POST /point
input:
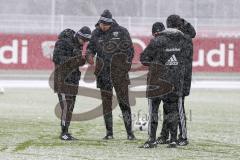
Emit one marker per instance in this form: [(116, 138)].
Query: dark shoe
[(167, 141), (149, 144), (182, 142), (108, 137), (131, 137), (67, 137), (172, 145), (161, 140)]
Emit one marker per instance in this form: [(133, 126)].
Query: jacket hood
[(67, 34), (188, 29), (172, 32)]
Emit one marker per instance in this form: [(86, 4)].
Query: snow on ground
[(29, 129)]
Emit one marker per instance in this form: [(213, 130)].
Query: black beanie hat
[(157, 27), (106, 17), (174, 21), (84, 33)]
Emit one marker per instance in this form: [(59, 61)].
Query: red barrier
[(26, 51), (217, 55), (34, 52)]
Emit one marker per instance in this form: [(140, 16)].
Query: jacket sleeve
[(130, 49), (91, 48), (77, 50), (59, 53), (188, 68), (148, 54), (188, 29)]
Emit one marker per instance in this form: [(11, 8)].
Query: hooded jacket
[(167, 54), (190, 33), (66, 47)]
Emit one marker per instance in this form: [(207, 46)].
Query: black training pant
[(170, 119), (182, 119), (181, 123), (123, 100), (67, 103)]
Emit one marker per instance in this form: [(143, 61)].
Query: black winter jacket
[(114, 51), (168, 53), (66, 48)]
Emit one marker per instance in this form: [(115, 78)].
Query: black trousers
[(181, 123), (67, 103), (170, 119), (123, 100)]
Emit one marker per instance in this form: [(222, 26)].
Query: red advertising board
[(35, 52), (217, 54), (26, 51)]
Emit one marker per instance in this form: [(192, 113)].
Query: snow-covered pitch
[(29, 129)]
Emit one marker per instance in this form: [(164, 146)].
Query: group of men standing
[(168, 55)]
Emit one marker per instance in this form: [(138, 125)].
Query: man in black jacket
[(114, 49), (147, 58), (189, 33), (68, 46), (166, 55)]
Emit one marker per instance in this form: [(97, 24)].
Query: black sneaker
[(149, 144), (182, 142), (108, 137), (67, 137), (167, 141), (161, 140), (172, 145), (131, 137)]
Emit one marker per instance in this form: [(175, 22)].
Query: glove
[(89, 59), (83, 61)]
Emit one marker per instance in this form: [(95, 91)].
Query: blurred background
[(52, 16)]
